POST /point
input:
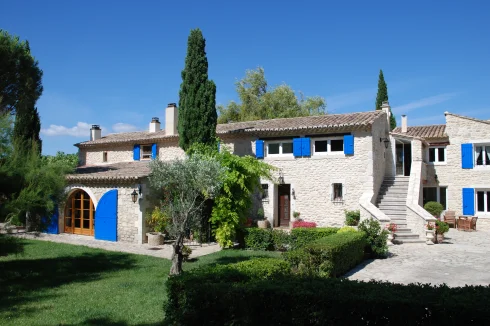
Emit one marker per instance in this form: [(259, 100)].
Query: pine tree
[(197, 96), (27, 127), (382, 96)]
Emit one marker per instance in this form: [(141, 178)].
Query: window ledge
[(437, 163), (279, 158), (328, 156)]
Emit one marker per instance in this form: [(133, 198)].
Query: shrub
[(303, 224), (441, 227), (352, 217), (200, 298), (346, 229), (376, 238), (302, 236), (258, 239), (434, 208), (330, 256), (186, 252), (281, 240), (262, 268)]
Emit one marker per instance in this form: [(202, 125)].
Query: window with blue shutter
[(136, 152), (468, 201), (305, 147), (106, 217), (349, 144), (297, 145), (154, 151), (259, 149), (467, 156)]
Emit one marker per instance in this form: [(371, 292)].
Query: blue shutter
[(305, 147), (154, 151), (106, 217), (467, 156), (136, 152), (297, 144), (468, 201), (349, 145), (219, 146), (259, 149), (50, 224)]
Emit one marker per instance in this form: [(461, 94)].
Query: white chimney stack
[(385, 106), (171, 116), (154, 124), (404, 123), (95, 132)]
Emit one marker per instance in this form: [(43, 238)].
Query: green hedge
[(302, 236), (258, 239), (195, 299), (330, 256)]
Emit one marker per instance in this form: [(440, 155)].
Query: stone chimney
[(95, 132), (171, 116), (154, 124), (385, 106), (404, 123)]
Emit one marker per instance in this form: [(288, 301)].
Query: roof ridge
[(468, 118)]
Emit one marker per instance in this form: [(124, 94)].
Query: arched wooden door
[(79, 214)]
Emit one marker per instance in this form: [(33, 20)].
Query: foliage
[(258, 239), (376, 238), (441, 227), (70, 160), (352, 218), (281, 240), (27, 127), (234, 200), (434, 208), (331, 256), (302, 236), (260, 213), (382, 96), (185, 185), (430, 226), (346, 229), (210, 298), (261, 268), (296, 214), (197, 96), (391, 227), (303, 224), (186, 252), (20, 82), (10, 245), (259, 102), (158, 220)]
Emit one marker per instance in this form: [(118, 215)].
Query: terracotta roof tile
[(124, 171), (426, 132)]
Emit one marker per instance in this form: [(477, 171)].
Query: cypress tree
[(26, 128), (382, 96), (197, 96)]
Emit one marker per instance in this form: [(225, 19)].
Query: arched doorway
[(79, 214)]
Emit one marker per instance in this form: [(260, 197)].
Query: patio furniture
[(464, 223), (473, 222), (450, 218)]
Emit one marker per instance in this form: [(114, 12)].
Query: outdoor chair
[(473, 222), (450, 218), (464, 223)]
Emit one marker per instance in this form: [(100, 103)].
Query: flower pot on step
[(155, 238), (264, 224)]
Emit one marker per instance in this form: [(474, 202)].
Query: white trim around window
[(279, 148), (328, 146), (437, 155), (482, 155), (482, 201), (441, 195)]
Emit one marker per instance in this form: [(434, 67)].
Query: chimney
[(171, 116), (404, 123), (95, 132), (154, 124), (385, 106)]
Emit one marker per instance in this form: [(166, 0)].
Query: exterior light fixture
[(134, 196), (386, 141), (436, 178), (281, 177), (293, 193)]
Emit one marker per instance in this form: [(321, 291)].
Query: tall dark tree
[(27, 127), (197, 96), (382, 96)]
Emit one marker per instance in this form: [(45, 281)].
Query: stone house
[(326, 165)]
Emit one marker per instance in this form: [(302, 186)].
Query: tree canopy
[(258, 101), (382, 96), (197, 96)]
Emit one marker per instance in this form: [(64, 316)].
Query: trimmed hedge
[(203, 298), (302, 236), (258, 239), (330, 256)]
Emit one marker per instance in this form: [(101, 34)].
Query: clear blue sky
[(118, 63)]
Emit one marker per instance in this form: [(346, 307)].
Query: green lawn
[(59, 284)]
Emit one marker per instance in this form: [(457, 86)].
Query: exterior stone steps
[(405, 241)]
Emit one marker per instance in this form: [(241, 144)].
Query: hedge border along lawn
[(205, 298), (302, 236), (330, 256)]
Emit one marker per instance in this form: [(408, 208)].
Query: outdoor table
[(464, 223)]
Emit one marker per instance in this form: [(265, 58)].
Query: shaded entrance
[(284, 202), (403, 158), (79, 214)]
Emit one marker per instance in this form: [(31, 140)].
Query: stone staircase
[(392, 200)]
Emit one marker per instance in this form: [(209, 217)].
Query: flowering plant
[(303, 224), (392, 227), (430, 226)]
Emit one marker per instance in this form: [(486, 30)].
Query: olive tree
[(184, 186)]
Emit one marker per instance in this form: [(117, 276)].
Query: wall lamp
[(385, 140), (293, 193), (281, 177), (136, 194)]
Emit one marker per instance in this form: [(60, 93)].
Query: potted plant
[(429, 233), (441, 228), (296, 215), (262, 223), (434, 208), (392, 227), (158, 221)]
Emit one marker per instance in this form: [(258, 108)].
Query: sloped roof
[(123, 171), (468, 118), (326, 122), (426, 132)]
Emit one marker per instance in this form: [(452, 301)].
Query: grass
[(46, 283)]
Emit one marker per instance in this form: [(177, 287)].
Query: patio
[(463, 258)]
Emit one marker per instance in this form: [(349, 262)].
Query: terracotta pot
[(155, 238)]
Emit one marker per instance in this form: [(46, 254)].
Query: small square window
[(337, 145), (104, 157), (265, 192), (337, 192), (146, 152), (273, 148), (437, 154), (287, 148), (432, 154), (321, 146)]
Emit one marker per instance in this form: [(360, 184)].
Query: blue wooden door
[(106, 217), (51, 223)]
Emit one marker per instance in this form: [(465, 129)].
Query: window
[(280, 148), (146, 152), (483, 201), (437, 154), (482, 154), (437, 194), (330, 145), (337, 192), (104, 157), (265, 192)]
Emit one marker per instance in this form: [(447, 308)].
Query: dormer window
[(145, 152)]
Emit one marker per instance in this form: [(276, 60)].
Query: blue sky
[(118, 63)]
